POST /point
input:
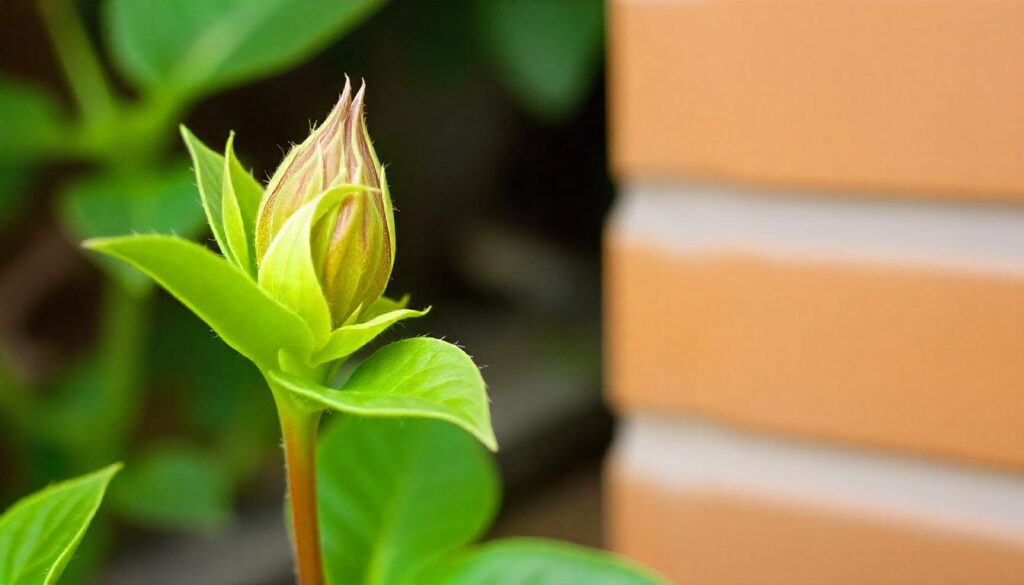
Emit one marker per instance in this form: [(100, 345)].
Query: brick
[(912, 97), (705, 505), (896, 327)]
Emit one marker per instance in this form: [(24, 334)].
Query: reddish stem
[(299, 430)]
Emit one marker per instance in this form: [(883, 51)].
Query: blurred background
[(491, 119), (785, 348)]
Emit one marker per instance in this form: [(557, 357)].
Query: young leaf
[(345, 341), (229, 301), (196, 46), (287, 271), (523, 561), (394, 496), (39, 534), (209, 169), (242, 195), (416, 378)]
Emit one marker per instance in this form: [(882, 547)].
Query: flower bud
[(349, 249), (352, 244)]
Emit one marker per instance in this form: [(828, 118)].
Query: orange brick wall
[(919, 97), (870, 301), (920, 360)]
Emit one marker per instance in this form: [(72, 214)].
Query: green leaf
[(418, 378), (31, 122), (287, 271), (196, 46), (549, 53), (174, 486), (123, 204), (226, 298), (394, 496), (39, 534), (346, 340), (242, 194), (209, 169), (523, 561)]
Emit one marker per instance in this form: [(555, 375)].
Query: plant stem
[(299, 429), (78, 59)]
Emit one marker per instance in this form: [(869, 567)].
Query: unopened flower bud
[(352, 244), (350, 252)]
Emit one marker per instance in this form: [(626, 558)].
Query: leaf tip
[(487, 438), (95, 244), (111, 470)]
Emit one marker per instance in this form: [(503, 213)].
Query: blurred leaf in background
[(31, 123), (14, 187), (176, 486), (190, 47), (108, 204), (218, 394), (548, 53)]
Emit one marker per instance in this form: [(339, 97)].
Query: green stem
[(299, 430), (78, 59)]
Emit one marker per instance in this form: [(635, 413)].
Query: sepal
[(344, 341)]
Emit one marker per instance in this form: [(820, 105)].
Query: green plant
[(130, 178), (39, 534), (297, 291), (401, 502)]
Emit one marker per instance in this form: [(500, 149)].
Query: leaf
[(418, 378), (197, 46), (287, 271), (395, 496), (209, 169), (227, 299), (242, 195), (39, 534), (549, 53), (123, 204), (31, 123), (174, 486), (346, 340), (522, 561)]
